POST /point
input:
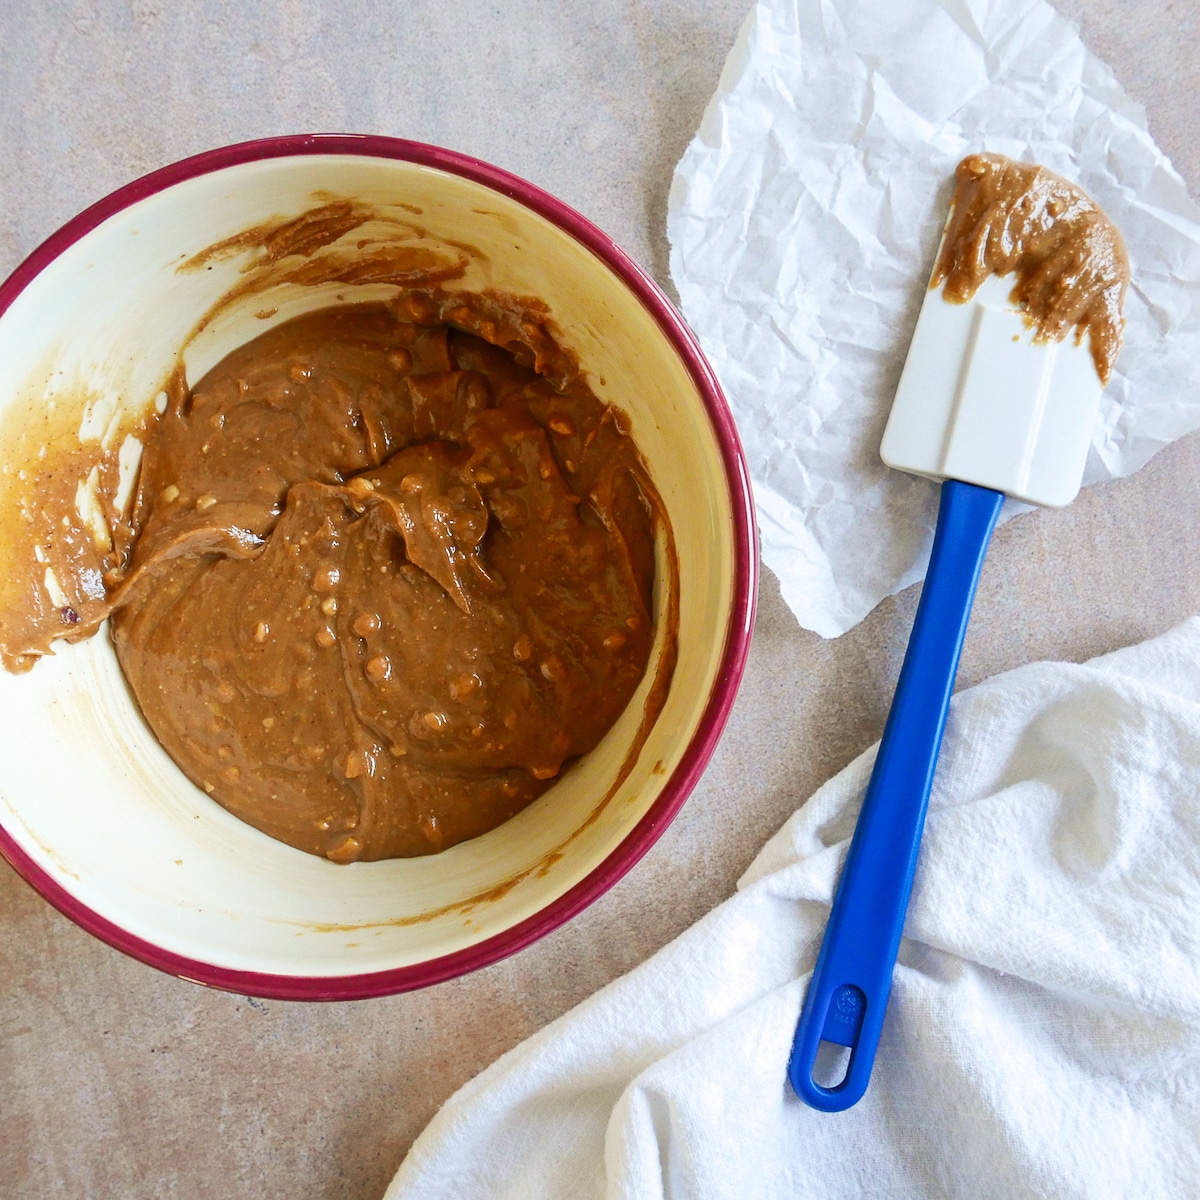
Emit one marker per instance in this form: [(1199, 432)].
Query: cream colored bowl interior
[(85, 789)]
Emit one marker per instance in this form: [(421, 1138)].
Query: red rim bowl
[(737, 636)]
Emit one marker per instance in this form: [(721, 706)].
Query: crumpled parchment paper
[(803, 222)]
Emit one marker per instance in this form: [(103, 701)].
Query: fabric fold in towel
[(1043, 1036)]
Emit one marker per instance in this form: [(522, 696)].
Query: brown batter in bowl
[(387, 568), (389, 580)]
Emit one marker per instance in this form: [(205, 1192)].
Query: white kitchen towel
[(803, 221), (1043, 1035)]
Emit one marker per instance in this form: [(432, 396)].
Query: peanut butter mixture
[(384, 577), (1069, 260)]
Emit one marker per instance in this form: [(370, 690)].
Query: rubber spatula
[(990, 412)]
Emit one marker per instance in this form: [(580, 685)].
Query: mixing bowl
[(98, 818)]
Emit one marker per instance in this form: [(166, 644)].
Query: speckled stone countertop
[(117, 1081)]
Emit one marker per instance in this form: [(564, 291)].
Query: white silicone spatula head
[(1005, 370), (983, 402)]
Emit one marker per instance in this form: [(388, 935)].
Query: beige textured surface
[(116, 1081)]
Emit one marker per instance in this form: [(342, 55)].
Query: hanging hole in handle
[(831, 1064)]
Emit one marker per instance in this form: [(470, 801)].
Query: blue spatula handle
[(849, 990)]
